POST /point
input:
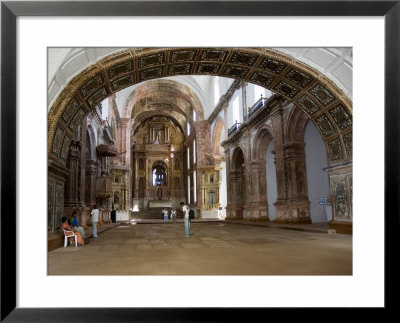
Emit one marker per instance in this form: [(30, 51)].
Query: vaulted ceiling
[(316, 94)]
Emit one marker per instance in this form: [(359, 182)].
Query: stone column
[(83, 162), (122, 148), (203, 147), (91, 178), (73, 163), (295, 168), (229, 187), (244, 101), (226, 120), (277, 126), (248, 197), (341, 180), (259, 204), (296, 207)]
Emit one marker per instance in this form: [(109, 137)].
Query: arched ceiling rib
[(319, 97), (65, 63)]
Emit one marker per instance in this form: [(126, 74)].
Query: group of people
[(72, 226), (165, 215), (186, 218)]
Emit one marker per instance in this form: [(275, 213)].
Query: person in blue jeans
[(95, 218), (185, 210)]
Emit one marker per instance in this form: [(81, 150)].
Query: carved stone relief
[(335, 149), (322, 94)]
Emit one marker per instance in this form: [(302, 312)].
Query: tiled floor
[(212, 249)]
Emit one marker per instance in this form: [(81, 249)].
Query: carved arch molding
[(313, 92)]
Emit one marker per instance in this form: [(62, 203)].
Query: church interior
[(256, 141)]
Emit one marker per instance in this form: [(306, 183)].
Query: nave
[(214, 248)]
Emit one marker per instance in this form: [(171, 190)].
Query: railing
[(233, 128), (256, 106)]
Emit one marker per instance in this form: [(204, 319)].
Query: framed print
[(137, 41)]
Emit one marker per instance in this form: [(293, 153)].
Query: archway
[(323, 101), (159, 176), (305, 87)]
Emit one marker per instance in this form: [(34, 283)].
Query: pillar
[(341, 180), (258, 204), (295, 207)]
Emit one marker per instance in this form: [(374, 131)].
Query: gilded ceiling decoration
[(322, 95), (286, 89), (308, 104), (262, 79), (57, 141), (348, 143), (325, 125), (298, 77), (65, 148), (341, 117), (70, 110), (335, 149), (309, 89)]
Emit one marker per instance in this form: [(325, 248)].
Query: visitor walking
[(173, 215), (185, 210), (95, 218)]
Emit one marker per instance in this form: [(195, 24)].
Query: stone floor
[(214, 248)]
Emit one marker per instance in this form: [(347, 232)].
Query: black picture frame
[(10, 10)]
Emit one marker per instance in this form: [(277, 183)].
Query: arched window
[(159, 176)]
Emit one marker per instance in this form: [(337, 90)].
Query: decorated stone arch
[(318, 97)]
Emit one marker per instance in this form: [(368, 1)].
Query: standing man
[(113, 215), (185, 210), (95, 218)]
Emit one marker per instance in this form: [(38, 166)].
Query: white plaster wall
[(317, 178), (272, 190)]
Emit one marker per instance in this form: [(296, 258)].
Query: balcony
[(256, 106), (233, 128)]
